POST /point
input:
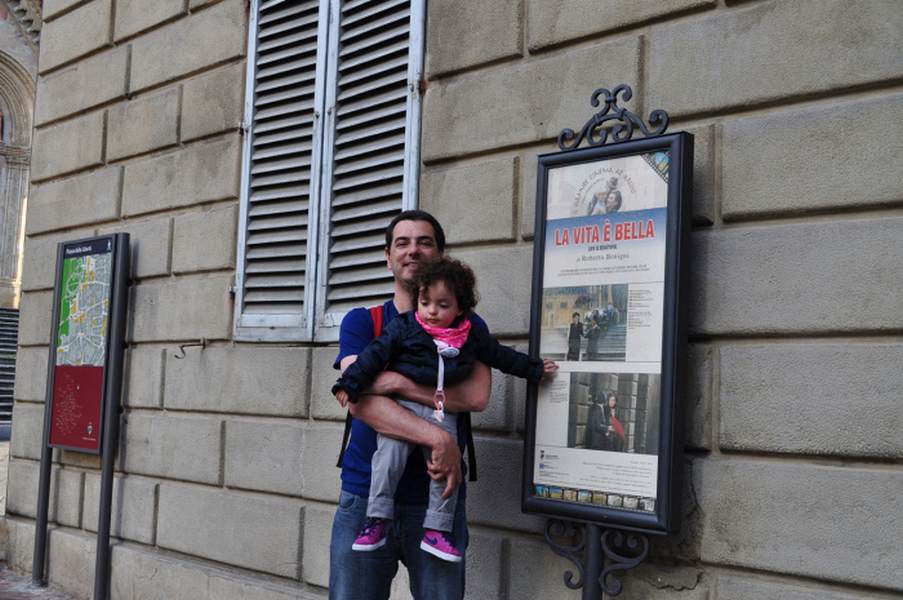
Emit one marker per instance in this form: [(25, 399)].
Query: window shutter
[(370, 160), (281, 154)]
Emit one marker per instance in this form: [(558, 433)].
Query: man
[(575, 336), (412, 239)]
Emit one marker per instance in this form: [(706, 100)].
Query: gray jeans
[(388, 465)]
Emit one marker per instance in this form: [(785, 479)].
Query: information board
[(611, 221), (84, 296)]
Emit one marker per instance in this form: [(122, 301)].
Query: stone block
[(71, 562), (150, 241), (84, 30), (86, 84), (797, 518), (750, 587), (35, 316), (317, 533), (189, 45), (80, 460), (475, 201), (134, 16), (80, 200), (323, 404), (823, 159), (215, 229), (22, 489), (236, 587), (497, 417), (133, 515), (698, 401), (504, 286), (52, 8), (474, 112), (832, 398), (550, 24), (144, 377), (536, 572), (245, 379), (468, 33), (135, 574), (27, 430), (69, 146), (494, 499), (213, 102), (67, 501), (703, 204), (264, 455), (268, 539), (664, 582), (171, 446), (198, 173), (821, 280), (143, 124), (319, 475), (187, 308), (776, 50), (528, 164), (31, 373), (20, 544), (486, 558)]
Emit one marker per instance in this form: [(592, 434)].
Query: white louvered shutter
[(372, 150), (281, 164)]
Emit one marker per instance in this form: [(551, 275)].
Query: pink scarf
[(453, 336)]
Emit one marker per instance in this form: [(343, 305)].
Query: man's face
[(413, 245)]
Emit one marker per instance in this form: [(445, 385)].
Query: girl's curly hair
[(457, 277)]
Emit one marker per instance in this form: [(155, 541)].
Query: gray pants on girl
[(387, 467)]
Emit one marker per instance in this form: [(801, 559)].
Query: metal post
[(593, 561), (40, 534), (112, 403)]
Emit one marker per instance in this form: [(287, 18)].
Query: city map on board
[(84, 289), (84, 310)]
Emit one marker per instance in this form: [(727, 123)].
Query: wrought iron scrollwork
[(573, 552), (622, 550), (613, 120)]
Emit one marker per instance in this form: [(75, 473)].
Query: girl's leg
[(387, 467)]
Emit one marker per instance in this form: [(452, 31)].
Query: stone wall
[(226, 483), (793, 437)]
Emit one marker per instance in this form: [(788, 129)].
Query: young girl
[(436, 345)]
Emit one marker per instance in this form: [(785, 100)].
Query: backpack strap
[(465, 424), (376, 315)]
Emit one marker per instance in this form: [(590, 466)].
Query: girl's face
[(437, 306)]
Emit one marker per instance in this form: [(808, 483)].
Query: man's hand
[(445, 463), (342, 397)]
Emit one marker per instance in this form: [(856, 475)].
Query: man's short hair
[(417, 215)]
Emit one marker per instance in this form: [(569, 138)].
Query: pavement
[(14, 586)]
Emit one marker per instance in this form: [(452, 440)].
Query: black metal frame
[(666, 518), (110, 407)]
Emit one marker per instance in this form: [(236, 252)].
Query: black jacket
[(404, 347)]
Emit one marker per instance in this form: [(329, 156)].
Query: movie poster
[(597, 422)]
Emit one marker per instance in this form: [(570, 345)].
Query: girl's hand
[(342, 397), (549, 368)]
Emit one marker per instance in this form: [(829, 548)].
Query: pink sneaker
[(437, 544), (372, 535)]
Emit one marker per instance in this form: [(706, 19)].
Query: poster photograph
[(610, 222)]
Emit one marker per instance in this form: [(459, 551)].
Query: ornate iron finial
[(573, 551), (615, 120), (623, 551)]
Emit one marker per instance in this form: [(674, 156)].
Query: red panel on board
[(76, 412)]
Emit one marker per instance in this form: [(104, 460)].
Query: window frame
[(312, 323)]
